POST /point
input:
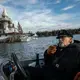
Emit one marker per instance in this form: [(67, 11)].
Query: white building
[(7, 28), (6, 25)]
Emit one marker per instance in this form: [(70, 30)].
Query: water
[(27, 50)]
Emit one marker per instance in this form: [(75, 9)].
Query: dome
[(4, 16)]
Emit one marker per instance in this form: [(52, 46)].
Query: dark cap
[(64, 33)]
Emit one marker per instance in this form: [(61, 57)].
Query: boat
[(13, 69), (21, 70), (4, 38), (24, 70), (35, 36), (28, 38)]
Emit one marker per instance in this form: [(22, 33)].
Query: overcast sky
[(41, 15)]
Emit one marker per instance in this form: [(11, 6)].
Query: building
[(8, 32)]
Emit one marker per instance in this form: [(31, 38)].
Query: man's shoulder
[(77, 41), (75, 46)]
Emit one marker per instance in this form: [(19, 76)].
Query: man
[(63, 60)]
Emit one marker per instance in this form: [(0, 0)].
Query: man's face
[(64, 41)]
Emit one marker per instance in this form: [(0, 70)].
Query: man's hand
[(51, 50), (77, 77)]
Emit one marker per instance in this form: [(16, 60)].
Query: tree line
[(54, 32)]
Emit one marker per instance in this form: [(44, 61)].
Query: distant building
[(6, 25), (7, 28)]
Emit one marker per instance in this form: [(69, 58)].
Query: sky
[(43, 15)]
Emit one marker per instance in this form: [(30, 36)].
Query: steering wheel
[(19, 66)]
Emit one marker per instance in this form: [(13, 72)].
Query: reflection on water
[(27, 50)]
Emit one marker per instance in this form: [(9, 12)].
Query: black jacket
[(66, 61)]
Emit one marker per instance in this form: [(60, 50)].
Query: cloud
[(57, 1), (4, 1), (1, 9), (23, 3), (68, 7), (33, 1), (38, 19), (77, 0)]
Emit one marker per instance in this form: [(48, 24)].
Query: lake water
[(28, 50)]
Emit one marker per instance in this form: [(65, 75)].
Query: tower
[(5, 23), (20, 28)]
